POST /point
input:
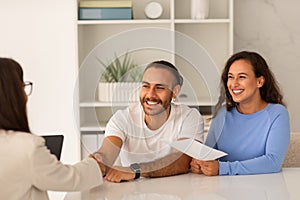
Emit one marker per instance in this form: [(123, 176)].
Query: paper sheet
[(197, 150)]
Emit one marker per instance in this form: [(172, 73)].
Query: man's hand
[(118, 174), (111, 146), (100, 163), (195, 167), (209, 168)]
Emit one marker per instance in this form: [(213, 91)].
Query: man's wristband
[(137, 169)]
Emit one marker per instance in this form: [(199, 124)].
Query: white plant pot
[(119, 91), (199, 9)]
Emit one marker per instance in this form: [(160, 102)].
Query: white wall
[(41, 36), (272, 28)]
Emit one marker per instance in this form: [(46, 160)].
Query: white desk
[(278, 186)]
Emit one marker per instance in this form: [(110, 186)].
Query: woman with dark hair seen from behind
[(27, 168), (13, 114), (250, 123)]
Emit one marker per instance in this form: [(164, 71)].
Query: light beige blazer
[(28, 170)]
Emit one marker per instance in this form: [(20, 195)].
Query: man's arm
[(108, 152), (172, 164)]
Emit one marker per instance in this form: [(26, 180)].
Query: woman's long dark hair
[(13, 114), (269, 92)]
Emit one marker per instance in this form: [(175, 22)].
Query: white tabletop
[(277, 186)]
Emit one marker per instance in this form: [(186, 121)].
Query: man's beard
[(160, 107)]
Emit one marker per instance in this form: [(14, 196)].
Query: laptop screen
[(54, 144)]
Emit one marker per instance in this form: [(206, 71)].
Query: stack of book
[(105, 9)]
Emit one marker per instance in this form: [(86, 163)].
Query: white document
[(197, 150)]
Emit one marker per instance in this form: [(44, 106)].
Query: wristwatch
[(137, 169)]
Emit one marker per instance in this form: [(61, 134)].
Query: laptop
[(54, 144)]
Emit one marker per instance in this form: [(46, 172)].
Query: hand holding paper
[(197, 150)]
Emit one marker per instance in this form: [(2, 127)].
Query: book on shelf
[(105, 13), (105, 4)]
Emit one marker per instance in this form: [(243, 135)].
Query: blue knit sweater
[(255, 143)]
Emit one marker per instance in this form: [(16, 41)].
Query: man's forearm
[(109, 151), (173, 164)]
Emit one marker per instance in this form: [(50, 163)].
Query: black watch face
[(135, 166)]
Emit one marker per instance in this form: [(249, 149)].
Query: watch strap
[(137, 169)]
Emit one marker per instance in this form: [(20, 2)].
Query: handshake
[(116, 173)]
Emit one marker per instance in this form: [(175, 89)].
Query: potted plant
[(120, 80)]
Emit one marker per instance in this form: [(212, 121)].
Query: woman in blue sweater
[(251, 123)]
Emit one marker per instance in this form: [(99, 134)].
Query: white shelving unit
[(174, 37)]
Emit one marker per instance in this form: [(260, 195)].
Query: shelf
[(90, 127), (197, 103), (93, 127), (89, 104), (146, 21), (202, 21), (103, 104), (130, 22)]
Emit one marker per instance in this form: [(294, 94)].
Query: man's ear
[(261, 81), (176, 91)]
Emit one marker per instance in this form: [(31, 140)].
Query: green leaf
[(121, 70)]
